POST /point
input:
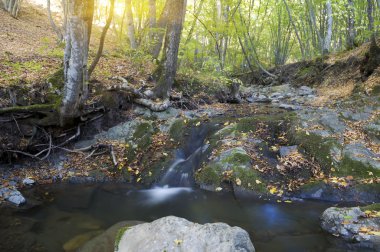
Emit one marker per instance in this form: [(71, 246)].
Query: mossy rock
[(316, 146), (235, 160), (57, 79), (373, 207), (357, 169)]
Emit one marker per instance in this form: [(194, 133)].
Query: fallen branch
[(142, 98)]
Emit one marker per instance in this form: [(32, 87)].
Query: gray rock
[(356, 116), (167, 114), (12, 195), (177, 234), (289, 107), (358, 152), (260, 99), (28, 181), (373, 130), (305, 91), (332, 122), (233, 158), (287, 150), (123, 132), (346, 223)]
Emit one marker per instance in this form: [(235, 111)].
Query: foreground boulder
[(177, 234), (361, 226)]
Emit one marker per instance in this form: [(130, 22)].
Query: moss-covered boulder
[(233, 165)]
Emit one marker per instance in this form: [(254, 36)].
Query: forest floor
[(330, 98)]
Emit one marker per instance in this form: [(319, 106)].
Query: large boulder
[(357, 225), (177, 234)]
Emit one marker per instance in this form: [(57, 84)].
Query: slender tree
[(11, 6), (75, 59), (130, 24)]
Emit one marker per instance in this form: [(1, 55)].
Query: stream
[(70, 210)]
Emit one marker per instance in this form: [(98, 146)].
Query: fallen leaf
[(238, 182)]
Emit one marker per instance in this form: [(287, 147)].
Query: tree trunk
[(160, 30), (295, 30), (152, 14), (172, 41), (130, 25), (11, 6), (75, 59), (351, 25), (102, 38), (56, 29), (327, 40)]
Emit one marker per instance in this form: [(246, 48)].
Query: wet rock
[(12, 195), (106, 241), (287, 150), (77, 241), (28, 181), (349, 224), (177, 234)]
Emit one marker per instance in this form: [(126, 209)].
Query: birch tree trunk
[(130, 25), (11, 6), (350, 40), (172, 40), (161, 29), (327, 40), (75, 59)]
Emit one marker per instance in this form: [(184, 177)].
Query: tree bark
[(161, 29), (75, 59), (56, 29), (350, 40), (102, 38), (327, 40), (12, 6), (295, 30), (172, 41), (130, 25)]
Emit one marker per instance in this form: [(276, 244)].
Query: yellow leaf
[(139, 179), (137, 172), (165, 154), (273, 190), (377, 233), (288, 201), (197, 124), (238, 181), (130, 169), (370, 173), (177, 242), (226, 123), (258, 181), (150, 174), (218, 189)]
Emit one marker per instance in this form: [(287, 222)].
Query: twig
[(24, 153), (113, 155), (19, 130)]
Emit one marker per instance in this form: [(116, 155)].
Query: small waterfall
[(179, 177)]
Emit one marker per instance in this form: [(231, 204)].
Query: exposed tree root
[(142, 98)]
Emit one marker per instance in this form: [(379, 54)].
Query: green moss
[(177, 129), (356, 169), (248, 179), (143, 135), (237, 159), (119, 235), (209, 175), (57, 79), (316, 146), (373, 207)]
